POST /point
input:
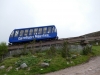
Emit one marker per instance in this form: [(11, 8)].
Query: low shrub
[(3, 48)]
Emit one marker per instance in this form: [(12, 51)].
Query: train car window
[(40, 31), (44, 30), (53, 29), (31, 32), (26, 32), (35, 31), (11, 35), (21, 32), (16, 33), (49, 29)]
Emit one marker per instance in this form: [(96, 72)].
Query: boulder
[(23, 65), (2, 67), (44, 64)]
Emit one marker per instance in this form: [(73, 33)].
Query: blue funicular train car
[(33, 33)]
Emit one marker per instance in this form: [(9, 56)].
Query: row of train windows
[(34, 31)]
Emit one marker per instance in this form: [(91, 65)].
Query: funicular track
[(37, 45), (54, 42)]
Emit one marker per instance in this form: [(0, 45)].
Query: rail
[(55, 42)]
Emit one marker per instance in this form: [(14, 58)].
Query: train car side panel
[(35, 33)]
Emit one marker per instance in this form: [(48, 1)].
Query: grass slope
[(33, 61)]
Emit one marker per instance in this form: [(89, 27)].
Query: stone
[(23, 65), (74, 56), (9, 68), (71, 62), (28, 69), (67, 63), (90, 69), (34, 56), (96, 43), (2, 67), (44, 64), (17, 68), (41, 69)]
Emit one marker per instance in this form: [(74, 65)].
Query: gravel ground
[(90, 68)]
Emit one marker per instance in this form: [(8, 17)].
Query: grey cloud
[(14, 14), (18, 14)]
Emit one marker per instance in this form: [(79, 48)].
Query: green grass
[(56, 62), (9, 61), (96, 50)]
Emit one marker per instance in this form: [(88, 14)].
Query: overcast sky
[(71, 17)]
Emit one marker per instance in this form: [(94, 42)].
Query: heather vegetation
[(46, 61), (3, 48)]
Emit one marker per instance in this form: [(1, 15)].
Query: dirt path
[(90, 68)]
